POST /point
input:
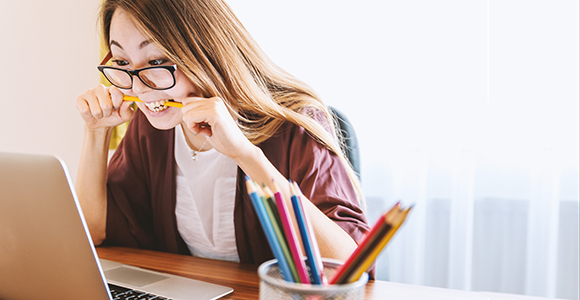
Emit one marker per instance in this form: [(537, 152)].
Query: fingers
[(104, 107), (83, 106), (121, 107), (126, 111), (116, 97), (200, 128), (103, 103), (200, 113), (88, 105)]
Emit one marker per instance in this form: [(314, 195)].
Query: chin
[(159, 126)]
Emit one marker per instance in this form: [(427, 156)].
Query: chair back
[(347, 136)]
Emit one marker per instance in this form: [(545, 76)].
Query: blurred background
[(467, 109)]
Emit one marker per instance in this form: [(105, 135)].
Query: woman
[(176, 181)]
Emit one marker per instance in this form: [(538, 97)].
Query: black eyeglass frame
[(171, 69)]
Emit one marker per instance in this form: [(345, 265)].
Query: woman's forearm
[(333, 241), (91, 180)]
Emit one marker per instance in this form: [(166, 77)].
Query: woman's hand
[(103, 107), (210, 117)]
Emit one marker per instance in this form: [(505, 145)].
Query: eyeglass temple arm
[(106, 58)]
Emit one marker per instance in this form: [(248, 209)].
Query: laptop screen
[(45, 250)]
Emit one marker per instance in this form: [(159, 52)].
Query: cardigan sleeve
[(322, 178)]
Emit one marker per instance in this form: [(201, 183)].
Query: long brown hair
[(212, 48)]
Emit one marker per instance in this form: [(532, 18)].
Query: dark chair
[(347, 135), (351, 150)]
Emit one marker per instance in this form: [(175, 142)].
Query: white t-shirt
[(206, 191)]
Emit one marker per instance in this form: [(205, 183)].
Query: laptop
[(46, 251)]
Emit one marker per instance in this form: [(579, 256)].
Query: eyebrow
[(115, 43), (141, 46), (144, 44)]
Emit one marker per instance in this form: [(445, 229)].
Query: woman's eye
[(119, 62), (157, 62)]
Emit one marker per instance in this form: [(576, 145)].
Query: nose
[(138, 86)]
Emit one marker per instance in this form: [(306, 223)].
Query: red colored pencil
[(372, 238)]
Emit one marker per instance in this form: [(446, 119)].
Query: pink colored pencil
[(292, 238)]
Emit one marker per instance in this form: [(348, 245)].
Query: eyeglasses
[(156, 77)]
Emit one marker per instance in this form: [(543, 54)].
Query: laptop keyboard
[(122, 293)]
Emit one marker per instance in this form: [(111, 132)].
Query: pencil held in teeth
[(168, 103)]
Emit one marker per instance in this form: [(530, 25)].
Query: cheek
[(183, 86)]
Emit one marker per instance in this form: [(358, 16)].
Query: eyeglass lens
[(156, 78)]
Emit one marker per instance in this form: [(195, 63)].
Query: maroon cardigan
[(141, 187)]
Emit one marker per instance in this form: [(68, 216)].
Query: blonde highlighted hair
[(212, 48)]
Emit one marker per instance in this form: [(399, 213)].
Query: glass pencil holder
[(273, 285)]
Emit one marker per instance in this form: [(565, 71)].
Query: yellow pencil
[(168, 103), (398, 220)]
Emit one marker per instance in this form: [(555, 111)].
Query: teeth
[(156, 106)]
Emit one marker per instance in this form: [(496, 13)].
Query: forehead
[(125, 34)]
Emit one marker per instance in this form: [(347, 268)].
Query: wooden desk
[(242, 278), (245, 281)]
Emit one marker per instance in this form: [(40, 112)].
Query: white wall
[(49, 51)]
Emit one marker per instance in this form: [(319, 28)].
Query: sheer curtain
[(466, 109), (480, 223)]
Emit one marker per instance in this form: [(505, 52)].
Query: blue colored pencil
[(314, 260), (268, 230)]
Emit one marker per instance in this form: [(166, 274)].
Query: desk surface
[(245, 281)]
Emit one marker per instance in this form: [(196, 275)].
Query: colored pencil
[(168, 103), (268, 230), (291, 238), (272, 210), (309, 243), (396, 222), (369, 241)]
